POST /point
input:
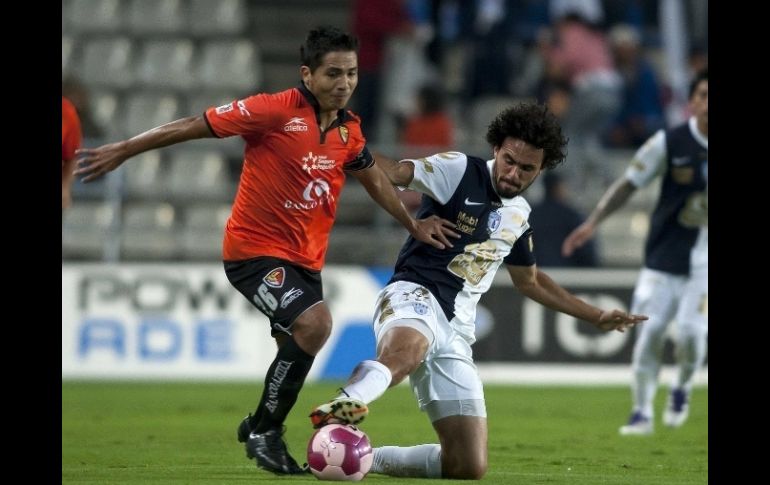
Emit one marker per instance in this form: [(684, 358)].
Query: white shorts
[(448, 372), (664, 296)]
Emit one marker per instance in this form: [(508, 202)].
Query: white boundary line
[(572, 375)]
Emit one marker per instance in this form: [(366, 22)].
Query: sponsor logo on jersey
[(316, 191), (493, 223), (275, 278), (317, 162), (290, 296), (469, 202), (466, 223), (224, 108), (242, 109), (344, 134), (295, 124), (679, 161)]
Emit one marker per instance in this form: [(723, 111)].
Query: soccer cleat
[(269, 451), (677, 408), (244, 429), (342, 410), (638, 424)]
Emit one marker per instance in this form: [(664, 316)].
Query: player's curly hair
[(533, 124), (322, 40)]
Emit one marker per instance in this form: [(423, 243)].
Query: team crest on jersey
[(344, 133), (493, 223), (275, 278)]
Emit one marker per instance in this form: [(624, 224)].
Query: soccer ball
[(339, 452)]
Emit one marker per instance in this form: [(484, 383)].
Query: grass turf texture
[(164, 433)]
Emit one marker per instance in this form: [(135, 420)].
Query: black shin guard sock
[(283, 381)]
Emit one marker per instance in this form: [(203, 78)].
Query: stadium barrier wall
[(185, 321)]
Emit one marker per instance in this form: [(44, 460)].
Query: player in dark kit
[(674, 280), (424, 319), (300, 143)]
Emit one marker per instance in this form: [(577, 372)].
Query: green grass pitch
[(184, 433)]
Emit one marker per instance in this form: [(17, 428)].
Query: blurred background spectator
[(130, 64), (552, 220), (641, 111)]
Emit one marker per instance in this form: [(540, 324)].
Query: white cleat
[(677, 409), (638, 425)]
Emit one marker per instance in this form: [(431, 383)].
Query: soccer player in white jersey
[(674, 280), (424, 320)]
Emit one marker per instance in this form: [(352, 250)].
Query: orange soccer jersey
[(70, 130), (292, 175)]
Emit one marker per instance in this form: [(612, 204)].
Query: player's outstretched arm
[(538, 286), (432, 230), (612, 200), (95, 162)]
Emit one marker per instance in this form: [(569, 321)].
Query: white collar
[(703, 140)]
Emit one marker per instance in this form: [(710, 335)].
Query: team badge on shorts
[(420, 308), (493, 223), (275, 278)]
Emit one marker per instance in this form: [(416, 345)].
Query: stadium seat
[(93, 16), (149, 232), (157, 16), (143, 111), (223, 17), (67, 49), (196, 175), (203, 231), (108, 63), (145, 176), (166, 64), (104, 109), (230, 65), (85, 225)]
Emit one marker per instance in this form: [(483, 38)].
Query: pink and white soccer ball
[(339, 452)]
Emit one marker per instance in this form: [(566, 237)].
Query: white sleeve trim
[(439, 175), (649, 161)]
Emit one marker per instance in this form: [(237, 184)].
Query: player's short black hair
[(701, 76), (322, 40), (532, 123)]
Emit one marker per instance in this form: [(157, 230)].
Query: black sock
[(283, 381)]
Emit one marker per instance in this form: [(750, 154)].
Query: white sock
[(421, 461), (369, 380)]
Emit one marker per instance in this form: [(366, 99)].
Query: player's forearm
[(615, 197), (178, 131), (546, 292), (398, 173), (380, 189)]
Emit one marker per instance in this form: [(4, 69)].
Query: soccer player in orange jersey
[(299, 145), (71, 138)]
